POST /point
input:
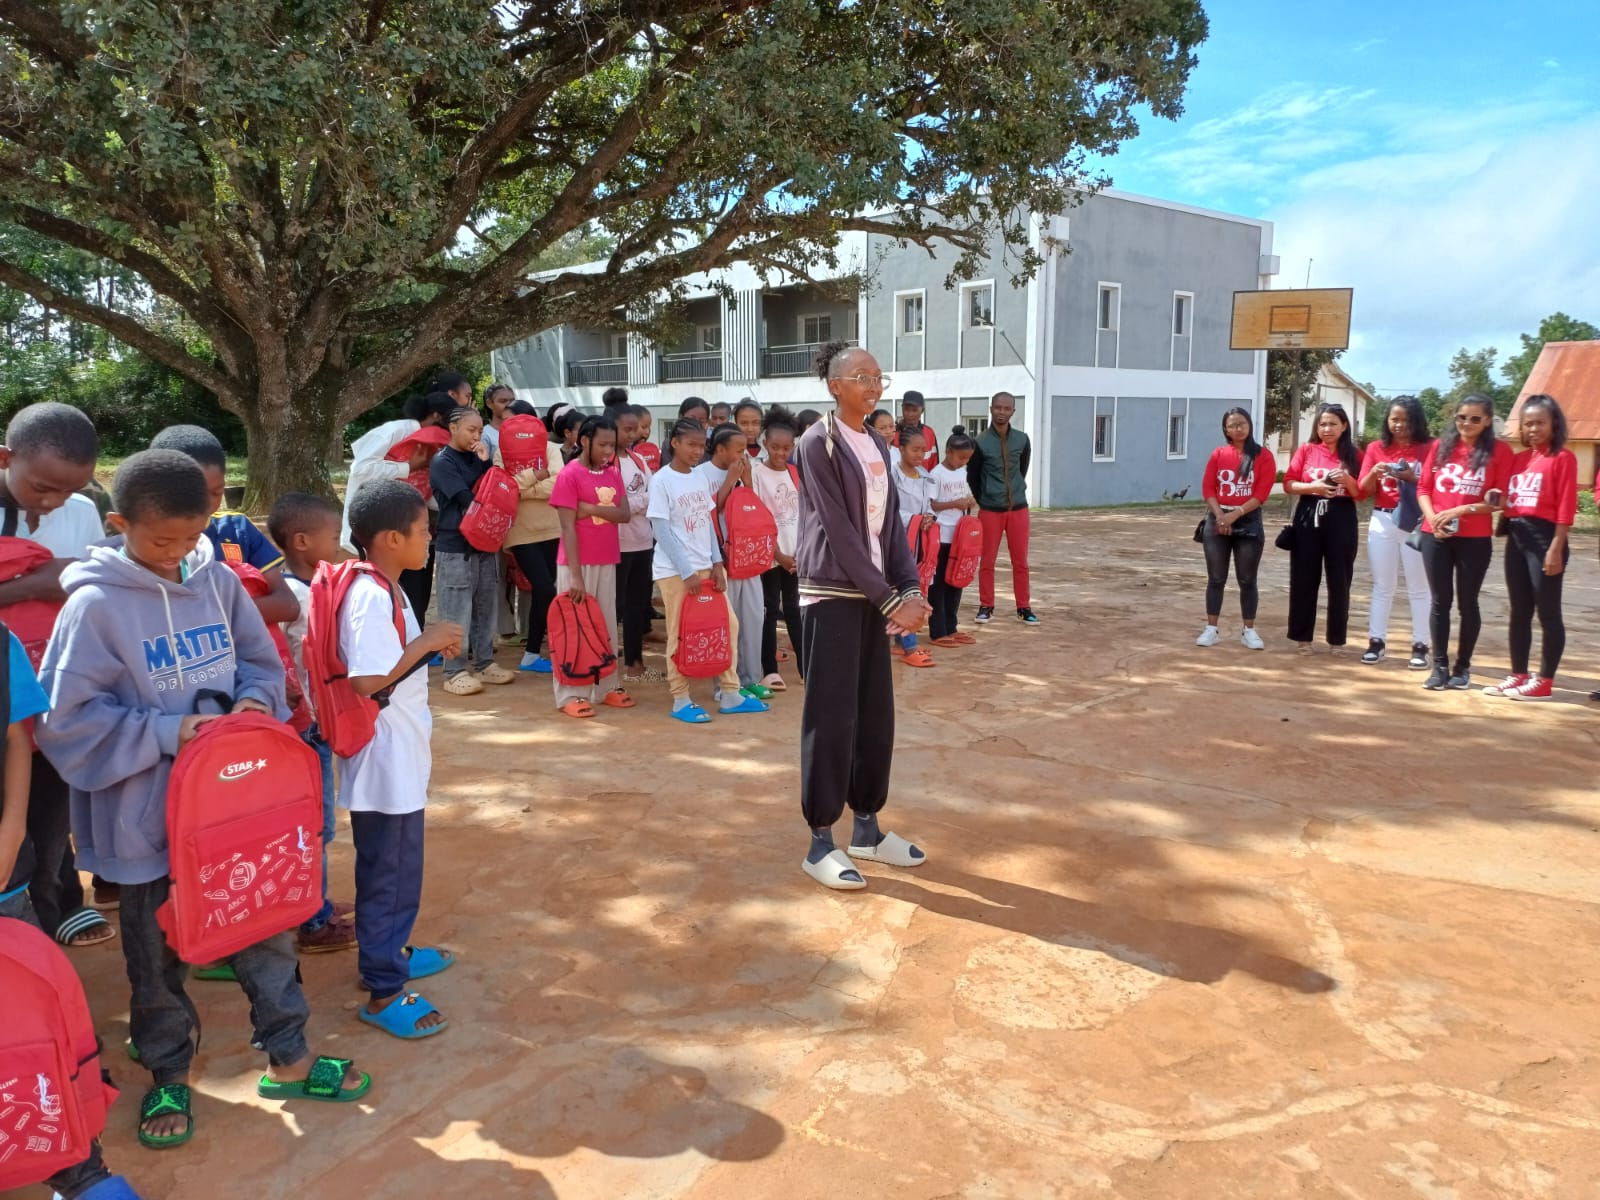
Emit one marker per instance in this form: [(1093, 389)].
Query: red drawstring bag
[(401, 452), (345, 720), (31, 620), (494, 506), (244, 837), (923, 535), (580, 643), (256, 586), (966, 552), (705, 647), (751, 545), (53, 1094), (524, 443)]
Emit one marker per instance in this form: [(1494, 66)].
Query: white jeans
[(1387, 556)]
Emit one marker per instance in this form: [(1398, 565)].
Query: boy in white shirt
[(385, 783), (911, 482)]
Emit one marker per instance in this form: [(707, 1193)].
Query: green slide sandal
[(160, 1101), (325, 1082)]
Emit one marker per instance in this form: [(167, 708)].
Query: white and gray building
[(1117, 350)]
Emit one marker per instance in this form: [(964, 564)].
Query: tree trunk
[(1296, 402), (290, 453)]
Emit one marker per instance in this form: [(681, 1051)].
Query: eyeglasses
[(863, 380), (1464, 419)]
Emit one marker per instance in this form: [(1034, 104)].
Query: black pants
[(781, 591), (1531, 591), (1323, 550), (1456, 567), (537, 560), (634, 585), (418, 587), (54, 886), (944, 599), (1243, 549), (847, 723)]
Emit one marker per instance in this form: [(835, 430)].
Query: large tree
[(337, 193), (1557, 327)]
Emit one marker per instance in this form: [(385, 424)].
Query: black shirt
[(453, 475)]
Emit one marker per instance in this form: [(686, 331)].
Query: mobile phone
[(1492, 498)]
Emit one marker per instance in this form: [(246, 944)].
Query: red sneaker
[(1534, 689), (1506, 686)]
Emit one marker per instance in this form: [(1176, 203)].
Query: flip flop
[(691, 714), (577, 708), (784, 656), (325, 1082), (160, 1101), (426, 961), (75, 925), (617, 698), (774, 683), (748, 705), (893, 851), (400, 1018), (918, 657), (835, 871), (964, 639)]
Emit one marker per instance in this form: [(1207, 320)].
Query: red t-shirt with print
[(1544, 485), (1454, 483), (1222, 481), (1311, 463), (1385, 489)]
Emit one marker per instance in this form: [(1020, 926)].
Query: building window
[(976, 425), (817, 327), (979, 306), (911, 315), (1105, 428), (619, 345), (1181, 303), (1110, 311), (1178, 427), (710, 339)]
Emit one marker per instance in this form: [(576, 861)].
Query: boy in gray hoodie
[(148, 625)]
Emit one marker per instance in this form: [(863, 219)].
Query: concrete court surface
[(1196, 923)]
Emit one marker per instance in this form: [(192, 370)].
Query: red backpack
[(256, 586), (513, 573), (923, 534), (580, 643), (966, 552), (494, 506), (31, 620), (751, 544), (244, 837), (345, 720), (53, 1096), (524, 443), (705, 648)]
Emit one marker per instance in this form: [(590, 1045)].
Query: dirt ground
[(1195, 923)]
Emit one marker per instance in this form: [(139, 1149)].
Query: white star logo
[(261, 764)]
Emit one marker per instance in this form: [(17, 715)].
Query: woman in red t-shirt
[(1326, 476), (1238, 479), (1395, 459), (1541, 502), (1462, 481)]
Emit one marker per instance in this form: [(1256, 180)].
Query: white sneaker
[(1252, 640), (1208, 636)]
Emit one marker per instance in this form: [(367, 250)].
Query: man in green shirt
[(997, 473)]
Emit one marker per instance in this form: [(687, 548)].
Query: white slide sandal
[(893, 851), (830, 872)]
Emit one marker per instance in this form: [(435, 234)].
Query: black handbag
[(1285, 539), (1414, 539), (1200, 531)]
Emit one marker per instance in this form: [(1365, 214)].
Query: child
[(49, 455), (469, 578), (385, 783), (592, 502), (747, 416), (911, 482), (638, 542), (17, 855), (911, 411), (721, 413), (951, 496), (147, 625), (233, 536), (532, 541), (775, 484), (306, 528), (881, 422), (728, 467), (681, 512), (644, 447)]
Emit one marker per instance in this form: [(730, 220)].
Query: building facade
[(1116, 350)]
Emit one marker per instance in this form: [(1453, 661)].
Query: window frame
[(700, 333), (819, 317), (1103, 287), (1187, 298), (1171, 413), (920, 295), (964, 312), (619, 345), (1094, 430)]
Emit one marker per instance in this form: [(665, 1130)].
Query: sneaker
[(1419, 656), (1252, 639), (337, 934), (1534, 689), (495, 673), (1208, 636), (537, 663), (985, 613), (1375, 649), (1506, 686), (1437, 678), (1025, 615), (1460, 681)]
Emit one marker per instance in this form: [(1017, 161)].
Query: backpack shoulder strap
[(794, 476), (8, 526)]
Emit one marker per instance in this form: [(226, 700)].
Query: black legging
[(1456, 567), (946, 600), (1324, 548), (418, 587), (634, 584), (537, 560), (781, 591), (1243, 549), (1531, 591)]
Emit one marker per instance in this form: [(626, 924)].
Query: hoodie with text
[(130, 655)]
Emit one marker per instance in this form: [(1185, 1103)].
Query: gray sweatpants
[(468, 584), (749, 604), (161, 1018)]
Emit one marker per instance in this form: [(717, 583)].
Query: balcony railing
[(780, 361), (597, 371), (682, 368)]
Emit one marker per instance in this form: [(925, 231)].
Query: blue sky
[(1443, 160)]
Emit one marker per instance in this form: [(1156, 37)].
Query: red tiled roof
[(1569, 371)]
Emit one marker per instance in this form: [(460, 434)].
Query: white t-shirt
[(491, 439), (636, 534), (946, 485), (295, 631), (782, 498), (914, 492), (390, 773), (876, 473), (685, 499), (68, 531)]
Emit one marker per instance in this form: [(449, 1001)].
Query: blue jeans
[(313, 738), (388, 895)]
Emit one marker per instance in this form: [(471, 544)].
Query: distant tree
[(1472, 372), (1433, 404), (1557, 327), (1291, 387)]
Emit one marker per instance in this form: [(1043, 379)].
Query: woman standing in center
[(1326, 475), (1394, 459)]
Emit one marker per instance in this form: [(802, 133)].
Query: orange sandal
[(617, 698), (945, 641), (918, 658), (577, 708), (964, 639)]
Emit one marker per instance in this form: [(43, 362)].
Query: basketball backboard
[(1293, 319)]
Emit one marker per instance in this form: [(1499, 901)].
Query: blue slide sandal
[(691, 714), (749, 705), (400, 1018), (426, 961)]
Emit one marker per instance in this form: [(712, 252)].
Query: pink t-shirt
[(876, 474), (598, 541)]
